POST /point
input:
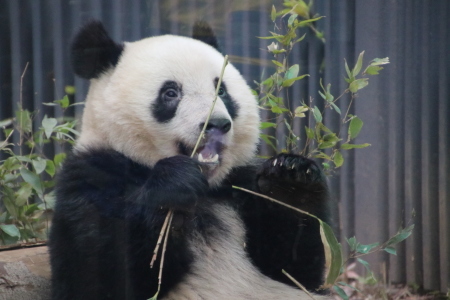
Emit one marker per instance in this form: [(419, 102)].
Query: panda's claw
[(291, 168)]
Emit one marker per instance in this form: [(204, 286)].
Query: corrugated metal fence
[(402, 178)]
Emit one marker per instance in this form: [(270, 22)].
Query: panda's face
[(155, 101)]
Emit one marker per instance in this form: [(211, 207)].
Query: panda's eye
[(222, 92), (170, 95)]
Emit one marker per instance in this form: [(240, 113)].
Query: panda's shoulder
[(103, 169)]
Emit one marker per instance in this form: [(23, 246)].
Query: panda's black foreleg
[(108, 216), (281, 238), (176, 183)]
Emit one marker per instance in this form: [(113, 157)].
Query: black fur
[(107, 219), (203, 32), (110, 210), (93, 51), (230, 104), (164, 109)]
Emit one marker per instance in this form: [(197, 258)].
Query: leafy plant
[(321, 141), (27, 179)]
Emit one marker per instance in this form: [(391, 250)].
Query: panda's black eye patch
[(229, 102), (165, 106)]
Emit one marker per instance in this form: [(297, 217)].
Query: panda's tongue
[(211, 149)]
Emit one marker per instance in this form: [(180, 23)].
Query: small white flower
[(272, 47)]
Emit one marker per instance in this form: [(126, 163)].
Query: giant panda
[(147, 103)]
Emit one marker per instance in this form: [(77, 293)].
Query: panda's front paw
[(291, 178), (177, 183), (291, 168)]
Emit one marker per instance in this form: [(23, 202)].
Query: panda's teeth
[(213, 159)]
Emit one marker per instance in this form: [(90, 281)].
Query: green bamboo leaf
[(276, 109), (8, 200), (400, 236), (48, 124), (305, 22), (10, 230), (64, 102), (300, 111), (268, 82), (390, 250), (50, 167), (352, 243), (267, 138), (358, 65), (292, 18), (317, 114), (300, 39), (349, 73), (273, 13), (33, 180), (58, 159), (333, 253), (379, 61), (39, 165), (292, 72), (364, 249), (355, 127), (265, 125), (372, 70), (353, 146), (278, 64), (338, 159), (358, 84), (23, 119), (322, 156), (340, 292), (336, 108), (289, 82), (23, 194), (309, 133)]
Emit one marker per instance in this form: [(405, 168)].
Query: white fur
[(222, 269), (118, 115), (118, 106)]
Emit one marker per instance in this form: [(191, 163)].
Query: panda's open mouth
[(208, 154)]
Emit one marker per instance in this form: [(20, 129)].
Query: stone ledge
[(25, 274)]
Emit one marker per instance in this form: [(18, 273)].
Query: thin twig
[(21, 107), (202, 133), (161, 265), (276, 201), (298, 284), (21, 84), (161, 235), (166, 226)]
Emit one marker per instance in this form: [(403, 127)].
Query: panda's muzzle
[(208, 154)]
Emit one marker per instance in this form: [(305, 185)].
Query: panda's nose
[(223, 125)]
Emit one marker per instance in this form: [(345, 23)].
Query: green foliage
[(322, 142), (27, 179)]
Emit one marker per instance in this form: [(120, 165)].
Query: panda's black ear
[(93, 51), (203, 32)]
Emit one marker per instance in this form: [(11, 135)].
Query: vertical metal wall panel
[(370, 170), (393, 76), (403, 177), (5, 64), (430, 148), (443, 104)]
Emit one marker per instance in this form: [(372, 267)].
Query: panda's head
[(149, 99)]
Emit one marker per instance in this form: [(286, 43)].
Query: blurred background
[(401, 179)]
